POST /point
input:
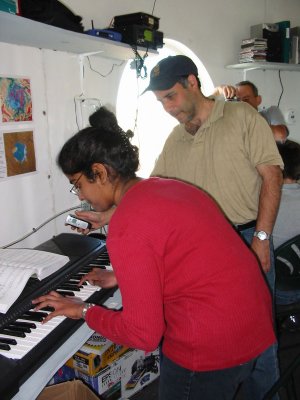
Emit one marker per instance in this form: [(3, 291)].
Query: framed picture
[(15, 100)]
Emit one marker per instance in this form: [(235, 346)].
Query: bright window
[(143, 114)]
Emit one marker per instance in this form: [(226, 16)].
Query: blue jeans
[(283, 297), (266, 371), (178, 383)]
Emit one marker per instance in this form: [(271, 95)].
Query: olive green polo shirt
[(222, 157)]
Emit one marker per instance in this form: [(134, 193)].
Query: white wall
[(212, 29)]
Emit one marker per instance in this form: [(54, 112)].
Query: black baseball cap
[(168, 71)]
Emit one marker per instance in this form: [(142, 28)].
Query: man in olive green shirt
[(226, 149)]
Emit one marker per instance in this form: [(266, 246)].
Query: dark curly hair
[(290, 153), (106, 144)]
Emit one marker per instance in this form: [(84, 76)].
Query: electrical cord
[(282, 89), (108, 73), (34, 230), (153, 6)]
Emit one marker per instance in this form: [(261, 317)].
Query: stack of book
[(253, 50)]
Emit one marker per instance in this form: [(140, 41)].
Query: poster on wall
[(17, 155), (15, 100)]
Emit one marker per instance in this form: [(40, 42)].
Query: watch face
[(262, 235)]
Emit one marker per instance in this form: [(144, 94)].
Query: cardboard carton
[(72, 390), (126, 376), (140, 370), (96, 354)]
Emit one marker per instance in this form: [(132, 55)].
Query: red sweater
[(185, 275)]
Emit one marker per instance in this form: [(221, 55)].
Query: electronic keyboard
[(25, 343)]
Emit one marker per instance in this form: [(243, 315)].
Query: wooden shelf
[(265, 66), (26, 32)]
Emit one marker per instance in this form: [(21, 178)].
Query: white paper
[(18, 265)]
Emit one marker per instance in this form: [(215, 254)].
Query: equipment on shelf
[(139, 29)]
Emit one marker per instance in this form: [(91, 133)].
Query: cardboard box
[(107, 382), (126, 376), (72, 390), (139, 370), (120, 379), (96, 354)]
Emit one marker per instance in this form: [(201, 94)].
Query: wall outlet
[(290, 117)]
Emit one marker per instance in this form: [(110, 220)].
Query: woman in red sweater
[(184, 273)]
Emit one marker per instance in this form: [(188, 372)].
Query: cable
[(153, 6), (139, 62), (99, 73), (282, 89), (34, 230)]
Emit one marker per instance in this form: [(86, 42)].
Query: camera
[(77, 222)]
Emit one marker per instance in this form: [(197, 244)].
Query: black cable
[(153, 6), (282, 89), (139, 63), (99, 73)]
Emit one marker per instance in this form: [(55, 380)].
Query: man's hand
[(280, 133), (100, 277), (269, 199), (262, 249), (70, 307), (227, 91)]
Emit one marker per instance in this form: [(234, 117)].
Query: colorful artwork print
[(15, 98), (19, 152)]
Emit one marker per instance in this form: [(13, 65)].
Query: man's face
[(178, 101), (245, 93)]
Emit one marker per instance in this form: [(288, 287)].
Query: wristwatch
[(262, 235), (85, 308)]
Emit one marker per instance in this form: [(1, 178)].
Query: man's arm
[(277, 123), (267, 210)]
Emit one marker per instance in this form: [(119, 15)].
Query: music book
[(18, 265)]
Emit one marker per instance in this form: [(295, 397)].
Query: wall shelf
[(15, 29), (265, 66)]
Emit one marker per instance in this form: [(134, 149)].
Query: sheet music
[(18, 265)]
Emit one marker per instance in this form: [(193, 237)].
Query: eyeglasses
[(74, 189)]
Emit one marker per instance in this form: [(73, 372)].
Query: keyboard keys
[(20, 337)]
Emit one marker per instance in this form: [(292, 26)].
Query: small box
[(95, 354), (72, 390), (140, 369)]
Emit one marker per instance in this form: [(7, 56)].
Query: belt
[(248, 225)]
